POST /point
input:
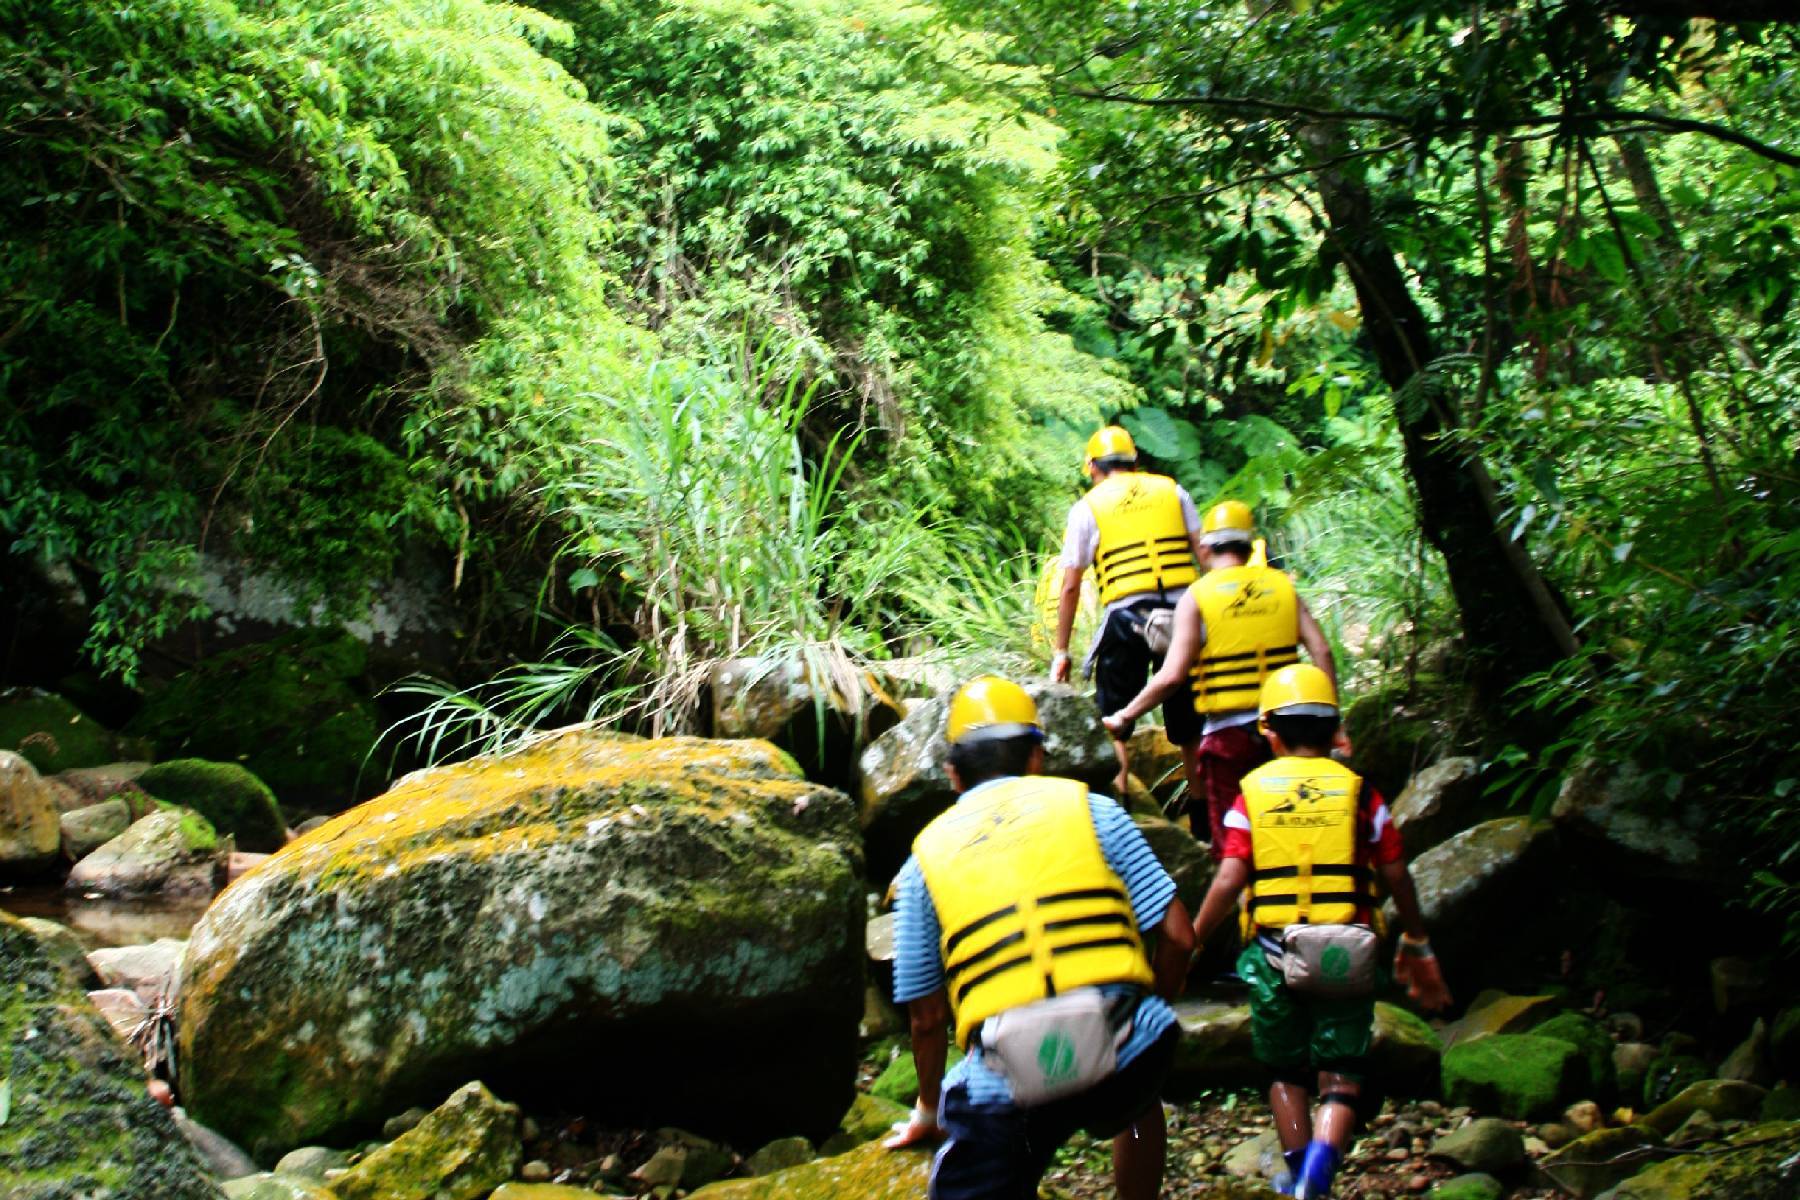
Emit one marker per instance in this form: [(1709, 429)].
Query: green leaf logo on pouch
[(1334, 963), (1056, 1058)]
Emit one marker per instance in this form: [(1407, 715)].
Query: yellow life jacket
[(1144, 543), (1027, 906), (1303, 867), (1252, 628)]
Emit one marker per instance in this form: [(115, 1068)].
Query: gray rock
[(1750, 1062), (824, 722), (1439, 802), (121, 1007), (1631, 1063), (276, 1186), (307, 826), (170, 852), (1188, 863), (149, 970), (1635, 819), (311, 1162), (1472, 874), (904, 784), (222, 1157), (1257, 1158), (82, 787), (30, 831), (80, 1117), (513, 914), (1486, 1144), (403, 1122), (87, 829), (65, 950), (1726, 1100)]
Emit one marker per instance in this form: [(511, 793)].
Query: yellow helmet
[(1226, 521), (1111, 442), (992, 707), (1299, 690)]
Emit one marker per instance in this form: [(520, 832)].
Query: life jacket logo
[(1252, 600), (1288, 815), (1056, 1058)]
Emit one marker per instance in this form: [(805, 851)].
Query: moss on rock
[(232, 799), (80, 1121), (1595, 1044), (679, 911), (868, 1173), (899, 1080), (173, 851), (463, 1150), (1757, 1164), (52, 734), (293, 711), (1517, 1075)]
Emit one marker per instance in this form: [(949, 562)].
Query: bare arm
[(1184, 644), (1399, 883), (930, 1017), (1066, 603), (1194, 545), (1174, 950), (1317, 647), (1221, 898)]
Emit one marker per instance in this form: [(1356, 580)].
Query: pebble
[(535, 1171), (1398, 1154), (162, 1093), (1418, 1183)]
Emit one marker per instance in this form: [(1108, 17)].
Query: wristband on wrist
[(923, 1115), (1059, 654), (1417, 947)]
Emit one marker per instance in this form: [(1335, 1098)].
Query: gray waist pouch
[(1055, 1047), (1328, 960)]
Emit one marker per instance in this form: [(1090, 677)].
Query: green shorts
[(1295, 1035)]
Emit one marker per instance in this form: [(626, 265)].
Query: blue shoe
[(1314, 1179)]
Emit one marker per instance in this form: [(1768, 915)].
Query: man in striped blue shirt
[(1027, 896)]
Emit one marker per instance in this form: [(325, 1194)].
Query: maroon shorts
[(1226, 756)]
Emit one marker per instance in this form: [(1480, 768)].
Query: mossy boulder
[(30, 825), (1624, 818), (1595, 1044), (172, 852), (1760, 1163), (1495, 1011), (1157, 761), (1216, 1050), (80, 1121), (293, 711), (1188, 862), (1784, 1043), (463, 1150), (867, 1173), (540, 1191), (65, 950), (1393, 737), (899, 1080), (904, 784), (1406, 1053), (678, 913), (1670, 1073), (1486, 1144), (276, 1186), (1599, 1160), (1725, 1099), (1517, 1075), (52, 734), (234, 800), (869, 1117), (1474, 1186)]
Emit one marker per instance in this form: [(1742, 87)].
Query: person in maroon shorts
[(1235, 625)]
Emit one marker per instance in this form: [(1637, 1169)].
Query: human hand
[(1341, 747), (1059, 667), (1416, 969), (1115, 724), (922, 1126)]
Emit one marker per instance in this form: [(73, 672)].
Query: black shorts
[(1123, 664), (999, 1152)]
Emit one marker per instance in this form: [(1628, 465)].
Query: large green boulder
[(293, 711), (1595, 1044), (78, 1121), (52, 734), (463, 1150), (234, 800), (1756, 1164), (1599, 1160), (1441, 801), (1670, 1073), (868, 1117), (904, 784), (899, 1080), (1725, 1099), (1516, 1075), (867, 1173), (1496, 867), (678, 913)]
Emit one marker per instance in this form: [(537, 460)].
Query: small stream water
[(102, 922)]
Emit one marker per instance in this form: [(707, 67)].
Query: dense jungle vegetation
[(673, 331)]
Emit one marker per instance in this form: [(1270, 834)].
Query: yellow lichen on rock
[(869, 1172)]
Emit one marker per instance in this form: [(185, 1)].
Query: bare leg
[(1138, 1156), (1199, 822), (1124, 753), (1336, 1120), (1292, 1106)]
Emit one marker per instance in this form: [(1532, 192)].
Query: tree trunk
[(1514, 624)]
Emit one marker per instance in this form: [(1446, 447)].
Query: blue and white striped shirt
[(919, 964)]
